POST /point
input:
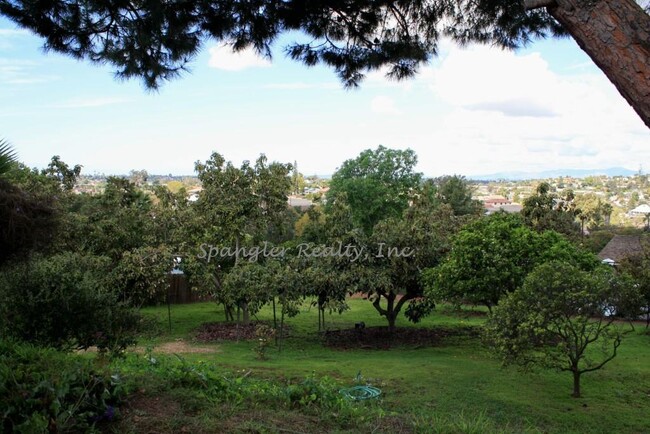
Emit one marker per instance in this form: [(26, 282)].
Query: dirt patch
[(226, 331), (179, 347), (381, 338)]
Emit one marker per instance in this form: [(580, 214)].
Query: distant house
[(510, 208), (494, 204), (496, 201), (193, 194), (620, 247), (641, 210)]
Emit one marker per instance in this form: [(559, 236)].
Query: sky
[(472, 111)]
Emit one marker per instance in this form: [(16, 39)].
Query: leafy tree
[(593, 211), (328, 281), (545, 210), (400, 249), (377, 184), (117, 221), (143, 275), (492, 256), (456, 192), (59, 170), (138, 177), (597, 240), (310, 227), (65, 301), (638, 267), (297, 180), (172, 214), (31, 207), (558, 320), (155, 40), (238, 208), (301, 223), (247, 284)]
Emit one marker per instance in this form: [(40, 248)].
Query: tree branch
[(406, 297), (536, 4), (377, 305), (617, 343)]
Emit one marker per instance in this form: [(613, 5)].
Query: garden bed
[(375, 338), (229, 331)]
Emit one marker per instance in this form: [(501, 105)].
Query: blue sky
[(472, 111)]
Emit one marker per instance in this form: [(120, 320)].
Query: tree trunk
[(230, 317), (391, 315), (616, 35), (576, 384), (391, 322), (281, 327), (246, 317), (275, 320)]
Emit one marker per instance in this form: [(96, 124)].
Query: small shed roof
[(620, 247), (641, 209)]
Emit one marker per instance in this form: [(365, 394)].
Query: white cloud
[(510, 111), (482, 76), (383, 105), (222, 57), (21, 71)]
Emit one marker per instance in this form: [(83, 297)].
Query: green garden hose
[(358, 393)]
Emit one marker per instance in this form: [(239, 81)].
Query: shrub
[(143, 275), (65, 301), (44, 390)]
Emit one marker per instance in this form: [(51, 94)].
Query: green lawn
[(428, 387)]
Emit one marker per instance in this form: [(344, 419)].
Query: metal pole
[(169, 304)]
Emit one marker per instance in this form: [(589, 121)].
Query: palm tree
[(8, 157)]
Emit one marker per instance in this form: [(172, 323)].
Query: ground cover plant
[(42, 390)]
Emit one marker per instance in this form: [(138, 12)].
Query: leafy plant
[(45, 390), (65, 301), (560, 319), (8, 157), (264, 335)]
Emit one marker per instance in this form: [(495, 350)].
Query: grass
[(453, 387)]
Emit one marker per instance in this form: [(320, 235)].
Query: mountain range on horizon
[(555, 173)]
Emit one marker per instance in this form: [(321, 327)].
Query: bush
[(143, 275), (65, 301), (44, 390)]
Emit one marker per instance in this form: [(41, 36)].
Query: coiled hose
[(358, 393)]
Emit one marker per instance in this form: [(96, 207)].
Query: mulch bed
[(381, 338), (228, 331)]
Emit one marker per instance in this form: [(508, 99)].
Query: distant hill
[(574, 173)]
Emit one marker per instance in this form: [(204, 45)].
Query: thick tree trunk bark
[(576, 384), (616, 35)]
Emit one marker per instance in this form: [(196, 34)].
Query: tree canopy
[(377, 184), (492, 256), (546, 210), (156, 40), (558, 319)]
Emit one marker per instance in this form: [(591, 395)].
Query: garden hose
[(358, 393)]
